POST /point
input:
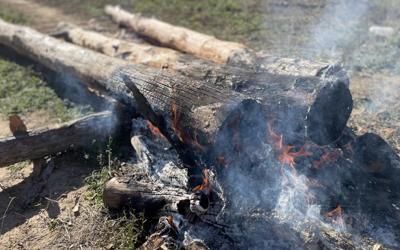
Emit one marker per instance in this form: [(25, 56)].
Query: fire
[(175, 122), (326, 157), (170, 220), (285, 154), (155, 130), (205, 186), (336, 215)]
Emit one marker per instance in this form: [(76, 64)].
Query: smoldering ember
[(220, 146)]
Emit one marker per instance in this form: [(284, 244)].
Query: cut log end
[(328, 115)]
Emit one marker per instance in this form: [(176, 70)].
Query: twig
[(5, 213)]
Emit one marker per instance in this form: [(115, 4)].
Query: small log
[(144, 196), (133, 52), (210, 48), (39, 143), (200, 45)]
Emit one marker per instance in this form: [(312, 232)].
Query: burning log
[(210, 48), (296, 89), (39, 143)]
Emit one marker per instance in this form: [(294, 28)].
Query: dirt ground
[(37, 224)]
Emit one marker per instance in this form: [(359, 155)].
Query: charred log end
[(118, 195), (329, 114), (242, 131)]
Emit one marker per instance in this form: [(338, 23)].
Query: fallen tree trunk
[(200, 45), (158, 57), (40, 143), (210, 48), (194, 110)]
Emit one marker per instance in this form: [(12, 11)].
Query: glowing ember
[(336, 215), (205, 186), (155, 131), (285, 154), (175, 122), (170, 220), (325, 158)]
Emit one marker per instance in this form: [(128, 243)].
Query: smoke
[(338, 28)]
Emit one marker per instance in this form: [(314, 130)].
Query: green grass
[(22, 91), (12, 16)]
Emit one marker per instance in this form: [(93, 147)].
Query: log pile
[(259, 150)]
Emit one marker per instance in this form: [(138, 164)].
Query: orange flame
[(155, 130), (170, 220), (336, 215), (175, 122), (205, 186), (285, 154), (326, 157)]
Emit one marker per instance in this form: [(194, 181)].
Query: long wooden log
[(39, 143), (210, 48), (158, 57), (200, 45), (263, 86)]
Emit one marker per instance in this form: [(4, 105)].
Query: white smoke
[(337, 28)]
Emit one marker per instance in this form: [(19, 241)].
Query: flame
[(205, 186), (170, 220), (175, 122), (155, 131), (326, 157), (285, 154), (336, 215)]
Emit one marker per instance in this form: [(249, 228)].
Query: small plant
[(108, 165), (12, 16)]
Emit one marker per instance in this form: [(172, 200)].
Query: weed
[(12, 16), (17, 167), (108, 165)]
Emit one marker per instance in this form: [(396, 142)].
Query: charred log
[(291, 100)]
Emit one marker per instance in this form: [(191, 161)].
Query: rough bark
[(219, 51), (301, 92), (143, 195), (40, 143), (314, 108), (168, 101), (200, 45)]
